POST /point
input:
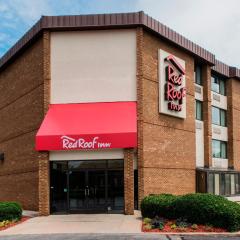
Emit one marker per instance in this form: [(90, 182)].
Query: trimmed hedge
[(200, 208), (157, 205), (10, 211)]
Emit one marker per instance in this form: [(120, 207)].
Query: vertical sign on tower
[(172, 85)]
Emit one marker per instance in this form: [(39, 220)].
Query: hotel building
[(98, 111)]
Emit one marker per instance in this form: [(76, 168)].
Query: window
[(218, 85), (199, 110), (211, 183), (219, 116), (225, 183), (198, 74), (219, 149)]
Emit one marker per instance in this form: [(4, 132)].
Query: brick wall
[(233, 121), (207, 115), (128, 181), (21, 113), (44, 171), (166, 145)]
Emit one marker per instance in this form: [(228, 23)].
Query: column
[(44, 185), (44, 175), (233, 119), (207, 115), (128, 181)]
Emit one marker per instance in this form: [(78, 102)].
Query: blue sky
[(213, 24)]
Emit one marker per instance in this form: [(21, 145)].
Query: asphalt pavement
[(116, 237)]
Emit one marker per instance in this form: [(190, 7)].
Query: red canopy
[(88, 126)]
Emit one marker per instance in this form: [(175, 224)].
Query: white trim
[(198, 95), (199, 143), (220, 163), (86, 154), (219, 133), (219, 100)]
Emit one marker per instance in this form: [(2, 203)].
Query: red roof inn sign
[(172, 90), (81, 143)]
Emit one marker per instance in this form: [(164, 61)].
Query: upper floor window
[(219, 116), (218, 85), (198, 74), (219, 149), (199, 110)]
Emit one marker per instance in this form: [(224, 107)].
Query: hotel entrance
[(87, 186)]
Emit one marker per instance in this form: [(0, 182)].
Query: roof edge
[(22, 42), (225, 70), (117, 20)]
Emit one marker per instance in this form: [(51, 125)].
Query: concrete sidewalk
[(78, 223), (115, 236)]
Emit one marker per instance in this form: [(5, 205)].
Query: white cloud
[(213, 24), (4, 37), (29, 10), (17, 16), (3, 7)]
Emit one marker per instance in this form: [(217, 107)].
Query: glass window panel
[(222, 184), (215, 84), (115, 189), (215, 115), (198, 75), (223, 150), (199, 110), (218, 85), (211, 183), (227, 184), (232, 184), (216, 149), (115, 164), (223, 118), (222, 88), (237, 183), (87, 164), (58, 190), (217, 187), (61, 166)]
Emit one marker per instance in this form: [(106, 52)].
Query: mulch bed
[(11, 224), (199, 228)]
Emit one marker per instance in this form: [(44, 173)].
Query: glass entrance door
[(96, 189), (87, 190), (59, 187), (85, 186), (77, 190)]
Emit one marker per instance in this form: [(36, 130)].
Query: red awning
[(88, 126)]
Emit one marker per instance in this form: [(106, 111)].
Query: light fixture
[(1, 156)]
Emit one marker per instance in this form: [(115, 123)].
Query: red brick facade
[(169, 160), (21, 113), (233, 116), (166, 151), (207, 115), (44, 177), (128, 181)]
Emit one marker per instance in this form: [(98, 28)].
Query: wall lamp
[(1, 156)]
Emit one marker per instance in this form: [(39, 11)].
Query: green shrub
[(10, 211), (148, 227), (208, 209), (157, 205), (147, 220), (194, 226), (199, 208)]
